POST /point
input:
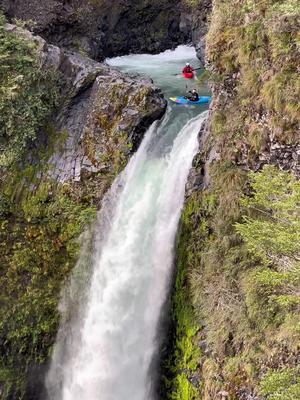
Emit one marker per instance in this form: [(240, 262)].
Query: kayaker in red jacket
[(188, 71)]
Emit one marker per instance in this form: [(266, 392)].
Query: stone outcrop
[(104, 117), (102, 112), (285, 156), (101, 28), (194, 22)]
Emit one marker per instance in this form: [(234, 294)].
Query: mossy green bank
[(239, 244)]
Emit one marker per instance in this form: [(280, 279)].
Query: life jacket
[(188, 69)]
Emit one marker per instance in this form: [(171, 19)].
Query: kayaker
[(192, 95), (188, 71)]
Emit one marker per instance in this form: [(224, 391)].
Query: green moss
[(257, 43), (281, 385), (184, 389), (281, 94), (113, 153), (182, 368), (39, 246), (242, 251), (246, 296), (28, 94)]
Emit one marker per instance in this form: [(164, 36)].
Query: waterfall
[(105, 347)]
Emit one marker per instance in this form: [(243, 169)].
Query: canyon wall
[(236, 303)]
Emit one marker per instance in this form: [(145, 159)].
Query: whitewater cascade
[(106, 351)]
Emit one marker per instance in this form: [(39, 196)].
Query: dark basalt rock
[(194, 22), (105, 116), (103, 28)]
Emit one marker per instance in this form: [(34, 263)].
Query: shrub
[(281, 385), (272, 228)]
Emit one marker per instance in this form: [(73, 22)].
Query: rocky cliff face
[(101, 28), (195, 22), (52, 185), (101, 111), (240, 336)]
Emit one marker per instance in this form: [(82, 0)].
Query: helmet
[(187, 64), (194, 90)]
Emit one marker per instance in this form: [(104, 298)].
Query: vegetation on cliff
[(240, 235), (27, 95), (39, 246), (40, 222), (41, 216), (236, 300)]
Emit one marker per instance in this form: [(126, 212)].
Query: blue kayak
[(183, 100)]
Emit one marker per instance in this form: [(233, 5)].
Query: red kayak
[(188, 75)]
